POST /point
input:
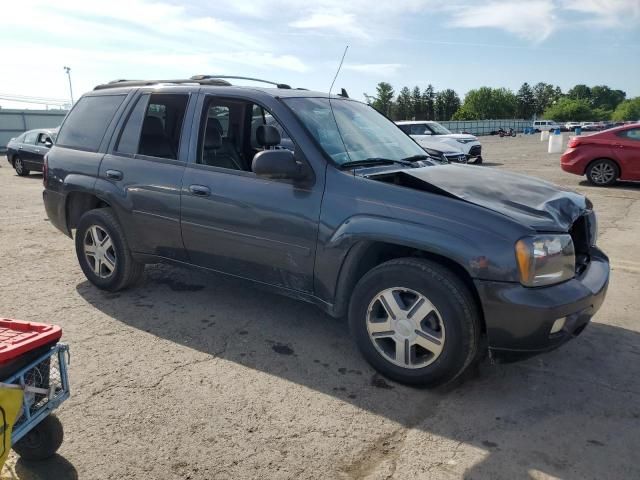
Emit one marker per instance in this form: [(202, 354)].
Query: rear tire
[(41, 442), (603, 172), (103, 252), (19, 167), (415, 322)]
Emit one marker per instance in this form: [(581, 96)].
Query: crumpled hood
[(528, 200), (439, 145)]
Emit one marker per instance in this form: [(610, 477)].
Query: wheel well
[(603, 158), (366, 256), (78, 203)]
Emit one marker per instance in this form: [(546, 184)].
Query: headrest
[(152, 126), (216, 122), (267, 136), (212, 136)]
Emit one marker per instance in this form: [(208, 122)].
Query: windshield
[(357, 133), (439, 129)]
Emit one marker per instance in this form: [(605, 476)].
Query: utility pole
[(68, 72)]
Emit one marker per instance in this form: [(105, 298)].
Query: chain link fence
[(485, 127)]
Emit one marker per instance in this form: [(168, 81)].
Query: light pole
[(68, 72)]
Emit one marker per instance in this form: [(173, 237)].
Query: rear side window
[(30, 137), (87, 122), (633, 134), (154, 126)]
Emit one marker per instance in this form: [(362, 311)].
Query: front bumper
[(519, 319)]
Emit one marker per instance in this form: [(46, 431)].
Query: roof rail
[(231, 77), (141, 83)]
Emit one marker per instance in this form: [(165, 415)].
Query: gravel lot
[(193, 376)]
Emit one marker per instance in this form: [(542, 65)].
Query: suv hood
[(439, 145), (461, 136), (530, 201)]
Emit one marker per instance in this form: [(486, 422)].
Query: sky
[(457, 44)]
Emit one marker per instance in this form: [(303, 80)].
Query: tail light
[(573, 143), (45, 169)]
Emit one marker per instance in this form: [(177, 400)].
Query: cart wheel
[(43, 441)]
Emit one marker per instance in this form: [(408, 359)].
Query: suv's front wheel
[(103, 253), (415, 321)]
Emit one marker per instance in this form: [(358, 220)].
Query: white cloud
[(532, 20), (606, 13), (344, 24), (377, 69)]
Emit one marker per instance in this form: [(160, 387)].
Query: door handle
[(200, 190), (114, 174)]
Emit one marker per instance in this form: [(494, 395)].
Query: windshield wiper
[(415, 158), (376, 161)]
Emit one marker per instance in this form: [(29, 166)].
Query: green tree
[(569, 109), (545, 94), (464, 114), (606, 98), (446, 104), (487, 102), (428, 99), (526, 101), (404, 107), (627, 110), (418, 105), (383, 101), (580, 92)]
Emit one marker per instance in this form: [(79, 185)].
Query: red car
[(606, 156)]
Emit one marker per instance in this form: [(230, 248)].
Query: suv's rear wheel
[(103, 253), (415, 322), (18, 164)]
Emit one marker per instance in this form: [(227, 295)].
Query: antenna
[(339, 68)]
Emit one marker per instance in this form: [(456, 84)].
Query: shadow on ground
[(57, 467), (573, 413)]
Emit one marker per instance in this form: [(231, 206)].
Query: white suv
[(428, 133)]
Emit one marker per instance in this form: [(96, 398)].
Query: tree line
[(542, 100)]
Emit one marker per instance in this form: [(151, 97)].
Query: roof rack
[(141, 83), (231, 77), (213, 80)]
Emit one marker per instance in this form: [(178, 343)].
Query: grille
[(457, 158)]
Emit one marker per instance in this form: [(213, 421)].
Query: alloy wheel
[(602, 173), (99, 251), (17, 164), (405, 327)]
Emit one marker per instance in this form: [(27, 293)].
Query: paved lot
[(193, 376)]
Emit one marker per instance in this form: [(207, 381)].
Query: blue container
[(556, 131), (578, 130)]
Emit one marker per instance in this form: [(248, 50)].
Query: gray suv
[(434, 265)]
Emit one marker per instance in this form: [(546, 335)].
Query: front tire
[(19, 167), (477, 161), (603, 172), (415, 322), (103, 252)]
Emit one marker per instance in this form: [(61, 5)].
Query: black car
[(432, 264), (26, 152)]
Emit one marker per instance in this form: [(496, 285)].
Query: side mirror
[(48, 143), (279, 163)]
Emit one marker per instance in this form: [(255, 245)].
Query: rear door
[(626, 148), (142, 171), (236, 222)]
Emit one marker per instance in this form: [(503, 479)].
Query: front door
[(236, 222), (142, 173)]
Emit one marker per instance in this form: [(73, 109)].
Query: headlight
[(545, 259), (466, 140)]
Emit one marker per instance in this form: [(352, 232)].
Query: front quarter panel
[(357, 209)]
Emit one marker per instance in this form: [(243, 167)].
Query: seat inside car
[(217, 153), (267, 136), (154, 141)]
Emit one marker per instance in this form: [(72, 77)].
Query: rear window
[(85, 125)]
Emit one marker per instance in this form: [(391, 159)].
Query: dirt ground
[(193, 376)]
